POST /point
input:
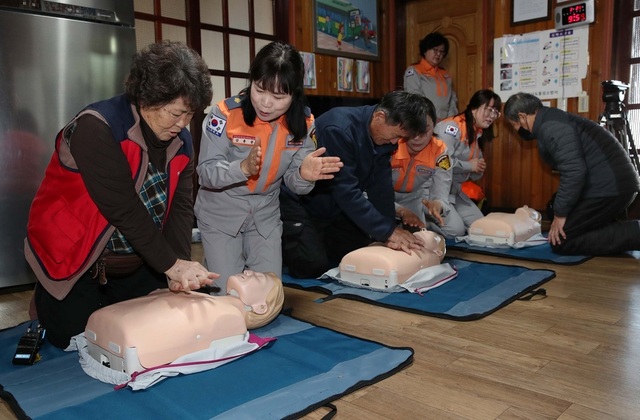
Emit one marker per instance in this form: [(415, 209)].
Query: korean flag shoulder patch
[(216, 125), (451, 130), (410, 72)]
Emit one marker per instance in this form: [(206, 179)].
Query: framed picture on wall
[(309, 60), (362, 76), (528, 11), (345, 74), (346, 28)]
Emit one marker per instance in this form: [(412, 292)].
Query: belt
[(112, 264)]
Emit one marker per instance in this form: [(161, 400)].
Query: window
[(626, 59), (227, 33)]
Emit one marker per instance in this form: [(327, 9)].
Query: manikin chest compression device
[(141, 341), (507, 230), (380, 268)]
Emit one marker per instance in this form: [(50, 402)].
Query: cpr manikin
[(168, 328), (381, 268), (507, 229)]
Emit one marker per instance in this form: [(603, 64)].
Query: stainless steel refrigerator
[(55, 58)]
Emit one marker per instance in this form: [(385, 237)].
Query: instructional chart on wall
[(549, 64)]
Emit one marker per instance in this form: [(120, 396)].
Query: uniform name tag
[(424, 170), (291, 143), (243, 140)]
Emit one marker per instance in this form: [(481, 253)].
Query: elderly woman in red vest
[(112, 218)]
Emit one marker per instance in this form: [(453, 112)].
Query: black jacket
[(591, 161)]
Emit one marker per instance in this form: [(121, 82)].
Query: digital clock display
[(574, 14)]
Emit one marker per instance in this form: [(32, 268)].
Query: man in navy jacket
[(356, 207)]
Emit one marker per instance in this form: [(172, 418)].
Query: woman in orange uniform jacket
[(251, 143), (465, 134), (421, 172)]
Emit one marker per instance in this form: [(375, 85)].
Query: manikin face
[(168, 120), (485, 115), (252, 288), (433, 242), (269, 106)]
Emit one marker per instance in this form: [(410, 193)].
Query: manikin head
[(526, 212), (433, 242), (261, 294)]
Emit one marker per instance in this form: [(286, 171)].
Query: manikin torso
[(165, 325), (383, 267), (505, 228)]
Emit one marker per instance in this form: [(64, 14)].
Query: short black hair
[(407, 110), (432, 40)]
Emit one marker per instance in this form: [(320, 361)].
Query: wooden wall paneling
[(489, 176), (391, 21), (517, 168), (323, 74), (600, 52), (493, 180), (526, 169)]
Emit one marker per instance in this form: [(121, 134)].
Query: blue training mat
[(540, 253), (305, 368), (478, 290)]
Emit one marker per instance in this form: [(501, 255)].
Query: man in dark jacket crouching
[(597, 179)]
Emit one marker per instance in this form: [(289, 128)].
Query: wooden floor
[(572, 355)]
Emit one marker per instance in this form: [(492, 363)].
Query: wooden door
[(462, 25)]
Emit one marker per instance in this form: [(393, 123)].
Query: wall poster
[(549, 64)]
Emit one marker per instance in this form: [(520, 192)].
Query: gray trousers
[(457, 221)]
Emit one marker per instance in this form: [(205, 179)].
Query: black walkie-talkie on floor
[(29, 346)]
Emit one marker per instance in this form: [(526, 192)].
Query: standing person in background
[(421, 173), (465, 135), (112, 218), (428, 79), (252, 143), (597, 179), (357, 206)]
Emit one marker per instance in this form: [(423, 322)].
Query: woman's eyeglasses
[(492, 112)]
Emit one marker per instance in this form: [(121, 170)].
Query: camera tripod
[(614, 119)]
